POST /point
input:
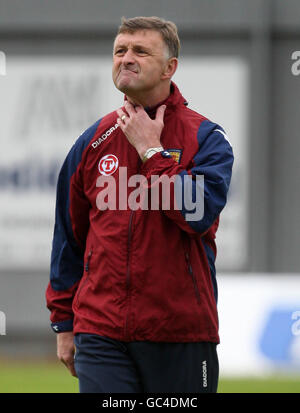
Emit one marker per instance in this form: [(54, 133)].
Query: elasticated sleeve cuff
[(62, 326)]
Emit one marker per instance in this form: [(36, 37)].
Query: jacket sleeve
[(70, 231), (198, 194)]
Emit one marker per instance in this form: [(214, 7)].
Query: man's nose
[(128, 57)]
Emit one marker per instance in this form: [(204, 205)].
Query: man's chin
[(126, 87)]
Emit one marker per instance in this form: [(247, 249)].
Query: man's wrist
[(150, 152)]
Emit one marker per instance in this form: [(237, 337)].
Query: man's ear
[(170, 68)]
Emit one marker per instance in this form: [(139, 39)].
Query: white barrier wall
[(259, 317)]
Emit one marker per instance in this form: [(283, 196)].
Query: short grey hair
[(167, 29)]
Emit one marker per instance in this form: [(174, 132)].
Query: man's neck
[(149, 100)]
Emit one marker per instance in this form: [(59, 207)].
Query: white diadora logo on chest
[(108, 164), (105, 135)]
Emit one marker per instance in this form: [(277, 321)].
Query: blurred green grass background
[(53, 377)]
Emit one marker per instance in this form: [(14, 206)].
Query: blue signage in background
[(279, 336)]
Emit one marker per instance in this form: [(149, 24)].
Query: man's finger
[(121, 113), (71, 367), (129, 108), (160, 113), (139, 108), (121, 124)]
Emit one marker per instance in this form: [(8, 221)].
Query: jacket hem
[(157, 338)]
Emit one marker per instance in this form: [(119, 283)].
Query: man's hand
[(66, 350), (141, 131)]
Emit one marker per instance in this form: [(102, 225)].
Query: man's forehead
[(150, 38)]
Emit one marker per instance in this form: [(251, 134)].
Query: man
[(136, 286)]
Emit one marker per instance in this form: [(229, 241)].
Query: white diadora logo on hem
[(204, 373), (108, 164), (104, 136)]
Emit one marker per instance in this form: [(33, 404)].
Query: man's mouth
[(128, 70)]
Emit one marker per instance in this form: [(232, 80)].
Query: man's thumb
[(160, 113)]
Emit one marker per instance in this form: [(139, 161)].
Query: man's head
[(145, 55)]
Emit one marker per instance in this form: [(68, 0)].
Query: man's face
[(139, 60)]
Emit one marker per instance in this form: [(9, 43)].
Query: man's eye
[(119, 51)]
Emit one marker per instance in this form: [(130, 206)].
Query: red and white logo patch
[(108, 164)]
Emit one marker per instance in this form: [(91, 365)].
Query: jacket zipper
[(87, 265), (87, 270), (191, 272), (126, 330), (128, 272)]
